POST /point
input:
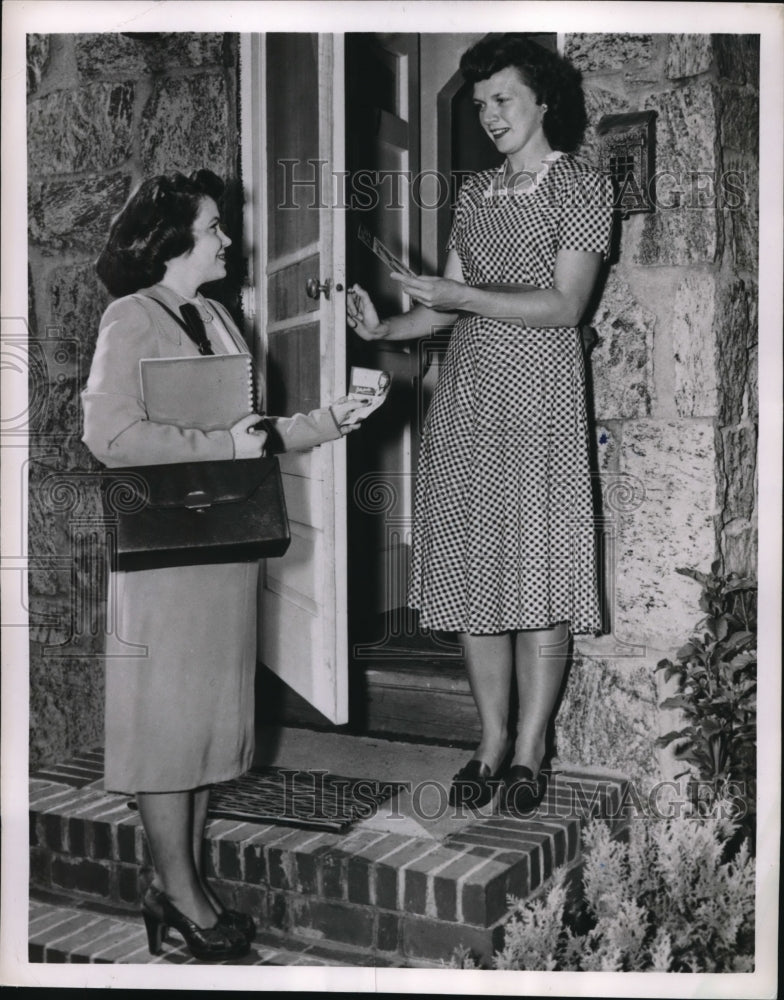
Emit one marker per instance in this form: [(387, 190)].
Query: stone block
[(694, 345), (739, 467), (190, 49), (185, 125), (711, 326), (61, 421), (599, 53), (110, 54), (49, 620), (606, 450), (735, 335), (47, 534), (77, 299), (741, 211), (737, 58), (48, 724), (66, 540), (608, 716), (37, 60), (622, 360), (672, 525), (740, 121), (688, 55), (77, 130), (684, 227), (739, 548), (115, 55), (74, 215), (598, 103), (751, 405)]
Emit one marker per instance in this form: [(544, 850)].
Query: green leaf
[(739, 639), (678, 701), (664, 741), (686, 652), (744, 584)]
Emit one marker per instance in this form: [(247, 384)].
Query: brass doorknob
[(313, 288)]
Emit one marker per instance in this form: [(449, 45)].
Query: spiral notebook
[(209, 393)]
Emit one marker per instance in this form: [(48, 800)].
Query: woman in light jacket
[(181, 646)]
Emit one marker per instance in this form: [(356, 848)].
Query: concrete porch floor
[(420, 810)]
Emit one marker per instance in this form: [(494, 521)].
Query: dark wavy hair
[(554, 81), (154, 226)]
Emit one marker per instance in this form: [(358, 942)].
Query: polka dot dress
[(503, 531)]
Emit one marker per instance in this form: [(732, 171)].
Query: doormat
[(314, 800)]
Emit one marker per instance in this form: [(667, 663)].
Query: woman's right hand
[(248, 443), (362, 315)]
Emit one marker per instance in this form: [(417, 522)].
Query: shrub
[(666, 901), (716, 671)]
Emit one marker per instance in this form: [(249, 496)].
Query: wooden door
[(292, 117)]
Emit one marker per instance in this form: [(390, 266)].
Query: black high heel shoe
[(237, 921), (474, 785), (522, 792), (208, 944), (233, 920)]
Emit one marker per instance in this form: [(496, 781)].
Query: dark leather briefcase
[(194, 513)]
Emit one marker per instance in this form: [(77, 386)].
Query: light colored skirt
[(180, 670)]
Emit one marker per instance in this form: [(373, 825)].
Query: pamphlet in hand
[(382, 252), (369, 385)]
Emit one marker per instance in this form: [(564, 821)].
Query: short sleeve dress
[(504, 533)]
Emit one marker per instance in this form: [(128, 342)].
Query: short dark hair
[(154, 226), (553, 79)]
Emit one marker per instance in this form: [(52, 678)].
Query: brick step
[(399, 897), (66, 929)]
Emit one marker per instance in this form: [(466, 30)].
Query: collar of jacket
[(171, 299), (207, 310)]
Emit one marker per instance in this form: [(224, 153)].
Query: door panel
[(286, 290), (293, 370), (302, 620), (291, 85)]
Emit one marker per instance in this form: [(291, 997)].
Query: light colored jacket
[(116, 428)]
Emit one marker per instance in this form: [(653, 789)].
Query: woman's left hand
[(442, 294)]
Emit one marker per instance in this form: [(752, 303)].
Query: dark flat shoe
[(522, 792), (473, 786)]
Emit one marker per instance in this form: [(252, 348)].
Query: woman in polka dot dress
[(503, 548)]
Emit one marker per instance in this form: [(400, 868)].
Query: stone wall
[(104, 111), (673, 373)]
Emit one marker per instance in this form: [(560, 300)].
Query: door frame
[(332, 681)]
